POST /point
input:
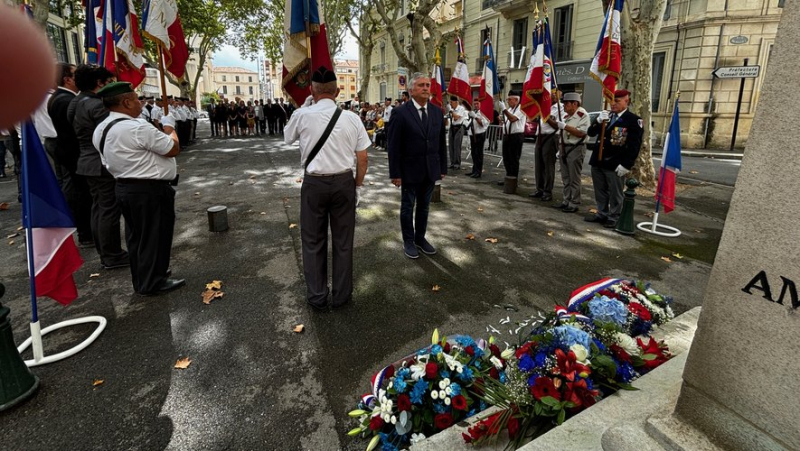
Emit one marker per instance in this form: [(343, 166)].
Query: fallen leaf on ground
[(210, 295), (97, 382), (677, 255), (12, 235), (436, 288), (11, 243), (371, 183), (451, 193), (4, 206), (697, 230), (292, 225), (298, 328), (183, 363), (480, 209), (491, 240), (253, 176), (649, 214), (196, 194), (692, 172), (550, 234), (263, 213), (252, 182), (19, 228), (299, 180), (214, 285), (593, 210), (94, 274), (666, 259), (470, 237)]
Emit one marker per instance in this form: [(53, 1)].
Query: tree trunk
[(366, 60)]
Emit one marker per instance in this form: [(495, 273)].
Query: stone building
[(232, 82), (273, 78), (347, 76)]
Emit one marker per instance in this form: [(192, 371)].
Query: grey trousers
[(545, 166), (571, 166), (456, 139), (607, 192), (328, 200)]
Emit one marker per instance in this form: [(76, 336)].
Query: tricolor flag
[(161, 22), (607, 64), (121, 36), (48, 223), (539, 84), (437, 82), (299, 61), (490, 86), (459, 82), (670, 165), (92, 26)]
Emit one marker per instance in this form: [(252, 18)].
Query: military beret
[(114, 89), (621, 93), (149, 98), (513, 93), (388, 99), (323, 75), (453, 99), (572, 97), (141, 97)]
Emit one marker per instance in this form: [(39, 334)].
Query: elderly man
[(417, 159), (620, 148), (331, 141), (141, 158), (547, 144), (513, 136), (480, 123), (574, 126), (457, 115)]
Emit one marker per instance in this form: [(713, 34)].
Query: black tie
[(424, 115)]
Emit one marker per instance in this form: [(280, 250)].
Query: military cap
[(572, 97), (323, 75), (388, 99), (621, 93), (514, 93), (114, 89), (453, 99), (141, 97)]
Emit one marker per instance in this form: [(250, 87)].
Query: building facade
[(233, 82), (348, 79), (67, 42), (272, 73)]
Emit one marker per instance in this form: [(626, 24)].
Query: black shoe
[(425, 247), (410, 249), (85, 243), (123, 264), (469, 174), (546, 198), (537, 194), (560, 206), (595, 218), (452, 166), (457, 166), (501, 183), (610, 224), (340, 305), (475, 176), (165, 287), (320, 308), (569, 209)]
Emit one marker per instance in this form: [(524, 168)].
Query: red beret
[(621, 93)]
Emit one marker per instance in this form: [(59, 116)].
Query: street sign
[(737, 72)]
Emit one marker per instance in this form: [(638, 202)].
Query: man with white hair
[(513, 135)]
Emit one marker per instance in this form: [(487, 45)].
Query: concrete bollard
[(625, 223), (510, 185), (218, 218), (437, 192)]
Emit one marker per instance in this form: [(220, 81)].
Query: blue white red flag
[(607, 63), (161, 22), (121, 36), (92, 26), (48, 223), (459, 82), (538, 87), (437, 82), (490, 86), (670, 165), (297, 66)]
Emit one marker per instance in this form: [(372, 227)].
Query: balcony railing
[(563, 50), (520, 61), (380, 68)]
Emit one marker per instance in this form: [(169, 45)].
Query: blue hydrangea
[(386, 442), (606, 310), (567, 336), (466, 375), (436, 350), (403, 373), (540, 359), (455, 389), (526, 364), (418, 392), (399, 385), (599, 345)]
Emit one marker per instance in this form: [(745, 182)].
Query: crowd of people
[(230, 118)]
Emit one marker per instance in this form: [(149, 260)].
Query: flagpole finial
[(536, 11), (677, 95), (544, 8), (438, 58)]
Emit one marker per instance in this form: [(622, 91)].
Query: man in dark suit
[(417, 159), (621, 144)]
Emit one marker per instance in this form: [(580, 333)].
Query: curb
[(704, 154)]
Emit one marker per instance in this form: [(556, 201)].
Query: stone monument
[(741, 383)]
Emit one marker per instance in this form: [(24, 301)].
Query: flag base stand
[(36, 339), (653, 227)]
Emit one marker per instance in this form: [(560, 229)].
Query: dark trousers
[(273, 125), (608, 188), (414, 225), (50, 145), (193, 122), (214, 130), (323, 201), (106, 219), (281, 124), (455, 141), (512, 151), (149, 211), (182, 130), (478, 141), (261, 126), (545, 163)]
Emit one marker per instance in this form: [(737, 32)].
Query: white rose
[(627, 343), (581, 353), (507, 354)]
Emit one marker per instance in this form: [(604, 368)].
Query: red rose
[(447, 348), (513, 428), (459, 402), (493, 373), (470, 351), (494, 350), (376, 423), (431, 370), (403, 403), (443, 421), (544, 386), (640, 311)]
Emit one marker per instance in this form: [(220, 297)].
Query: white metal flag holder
[(653, 227)]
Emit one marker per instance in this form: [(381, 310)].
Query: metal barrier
[(494, 141)]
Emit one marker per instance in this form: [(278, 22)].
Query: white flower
[(496, 362), (435, 394), (447, 401), (394, 419), (448, 391), (507, 354), (446, 381), (581, 353), (442, 385), (453, 364), (627, 343), (416, 438), (442, 394), (417, 371)]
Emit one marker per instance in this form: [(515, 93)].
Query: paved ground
[(253, 383)]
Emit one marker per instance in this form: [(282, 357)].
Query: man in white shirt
[(387, 111), (141, 159), (575, 124), (47, 135), (157, 112), (329, 192), (480, 123), (457, 116), (547, 144), (513, 134)]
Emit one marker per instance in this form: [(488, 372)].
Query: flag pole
[(663, 167), (555, 80), (605, 97), (307, 18), (163, 78)]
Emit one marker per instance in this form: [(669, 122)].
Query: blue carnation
[(526, 364), (399, 385), (540, 359), (436, 350), (403, 373), (532, 379), (502, 377), (466, 375), (567, 336), (455, 389), (607, 310), (639, 327), (625, 371), (418, 392), (600, 346)]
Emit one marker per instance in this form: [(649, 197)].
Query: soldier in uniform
[(141, 159), (574, 126), (329, 191), (157, 112), (547, 144), (457, 115), (513, 134), (623, 140), (193, 115), (480, 124)]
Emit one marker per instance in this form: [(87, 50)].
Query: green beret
[(114, 89)]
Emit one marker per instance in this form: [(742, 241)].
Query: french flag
[(161, 21), (437, 82), (607, 63), (300, 61), (121, 47), (91, 28), (538, 81), (48, 223), (459, 82), (670, 165), (489, 83)]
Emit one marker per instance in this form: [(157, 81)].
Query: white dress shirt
[(544, 127), (518, 126), (157, 113), (461, 112), (42, 122), (338, 153), (135, 149), (387, 113), (477, 128)]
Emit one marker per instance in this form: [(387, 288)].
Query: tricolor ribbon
[(587, 292)]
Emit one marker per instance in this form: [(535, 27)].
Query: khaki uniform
[(572, 156)]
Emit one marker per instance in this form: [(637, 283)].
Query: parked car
[(203, 115), (530, 130)]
